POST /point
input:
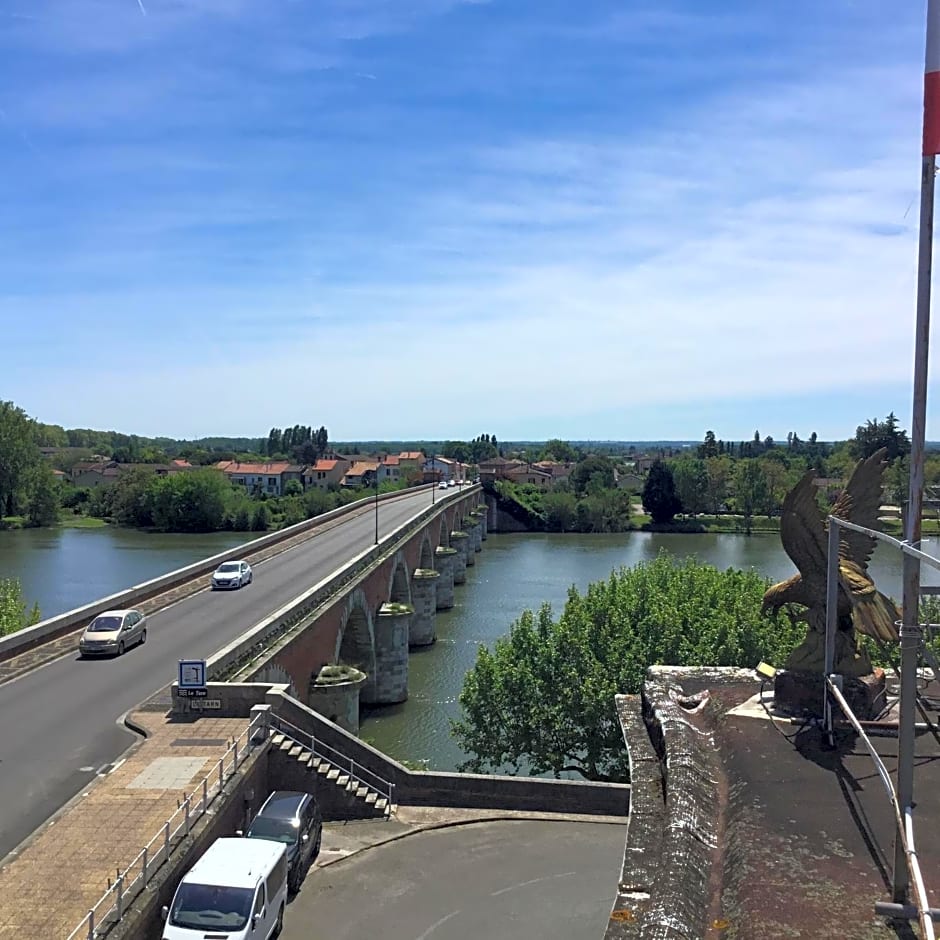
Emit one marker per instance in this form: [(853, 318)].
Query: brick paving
[(64, 868)]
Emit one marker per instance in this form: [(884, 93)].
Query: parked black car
[(293, 818)]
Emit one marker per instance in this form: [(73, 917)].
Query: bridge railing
[(234, 659), (62, 624), (132, 880)]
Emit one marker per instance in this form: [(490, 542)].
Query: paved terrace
[(764, 832), (57, 875)]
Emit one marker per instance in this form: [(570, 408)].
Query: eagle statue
[(862, 607)]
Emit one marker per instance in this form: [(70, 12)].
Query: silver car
[(231, 574), (112, 632)]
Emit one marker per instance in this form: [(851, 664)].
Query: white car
[(442, 485), (231, 575)]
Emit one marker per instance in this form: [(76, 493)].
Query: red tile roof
[(274, 469)]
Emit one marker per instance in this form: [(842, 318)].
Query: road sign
[(205, 704), (192, 693), (192, 674)]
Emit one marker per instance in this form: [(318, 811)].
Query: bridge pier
[(466, 526), (483, 514), (334, 693), (424, 595), (445, 559), (459, 541), (391, 653), (476, 532)]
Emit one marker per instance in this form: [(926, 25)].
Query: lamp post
[(376, 505), (433, 483)]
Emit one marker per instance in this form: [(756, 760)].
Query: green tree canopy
[(542, 700), (659, 493), (13, 609), (592, 472), (873, 435)]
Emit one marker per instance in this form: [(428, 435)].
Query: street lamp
[(433, 483), (376, 505)]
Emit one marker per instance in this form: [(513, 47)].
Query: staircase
[(344, 789)]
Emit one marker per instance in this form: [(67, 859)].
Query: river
[(65, 568)]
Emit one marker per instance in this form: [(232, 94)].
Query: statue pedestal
[(801, 693)]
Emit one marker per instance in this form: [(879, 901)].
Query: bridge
[(359, 588)]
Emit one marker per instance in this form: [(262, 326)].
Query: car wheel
[(121, 648), (143, 637), (279, 926)]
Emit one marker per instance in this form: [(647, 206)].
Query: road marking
[(534, 881), (427, 933)]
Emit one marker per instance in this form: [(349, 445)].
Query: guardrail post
[(186, 813), (119, 887), (205, 794), (91, 924), (221, 773), (235, 755), (144, 867), (166, 840)]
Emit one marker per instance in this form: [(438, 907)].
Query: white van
[(238, 889)]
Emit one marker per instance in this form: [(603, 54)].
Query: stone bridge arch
[(355, 643), (444, 539), (426, 554), (399, 584)]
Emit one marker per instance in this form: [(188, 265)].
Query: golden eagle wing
[(803, 532), (859, 503)]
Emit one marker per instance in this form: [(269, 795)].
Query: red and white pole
[(911, 633)]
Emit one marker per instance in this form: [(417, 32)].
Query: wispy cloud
[(606, 224)]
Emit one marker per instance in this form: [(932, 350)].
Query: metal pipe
[(903, 911), (832, 617)]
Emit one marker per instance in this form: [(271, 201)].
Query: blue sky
[(431, 219)]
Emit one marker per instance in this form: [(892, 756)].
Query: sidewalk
[(64, 868)]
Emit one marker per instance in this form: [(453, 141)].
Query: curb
[(456, 823)]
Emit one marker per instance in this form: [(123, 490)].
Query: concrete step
[(343, 781), (278, 739), (332, 774), (372, 797), (381, 804), (295, 751)]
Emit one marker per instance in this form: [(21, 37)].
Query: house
[(90, 473), (631, 482), (361, 473), (325, 473), (643, 462), (444, 468), (390, 469), (256, 477), (410, 460), (293, 472), (559, 470), (179, 462), (105, 472), (529, 473)]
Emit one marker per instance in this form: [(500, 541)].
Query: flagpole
[(910, 632)]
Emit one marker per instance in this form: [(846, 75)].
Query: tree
[(710, 447), (659, 494), (718, 471), (13, 613), (542, 700), (592, 470), (43, 506), (194, 501), (750, 490), (875, 434), (556, 449), (691, 479), (19, 453)]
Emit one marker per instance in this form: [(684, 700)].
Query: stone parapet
[(424, 595), (445, 560)]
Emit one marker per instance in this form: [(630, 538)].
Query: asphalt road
[(60, 723), (524, 880)]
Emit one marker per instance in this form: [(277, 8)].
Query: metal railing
[(911, 638), (130, 881), (344, 764)]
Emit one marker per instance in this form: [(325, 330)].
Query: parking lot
[(520, 879)]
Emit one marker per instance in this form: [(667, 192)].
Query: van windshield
[(211, 907)]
